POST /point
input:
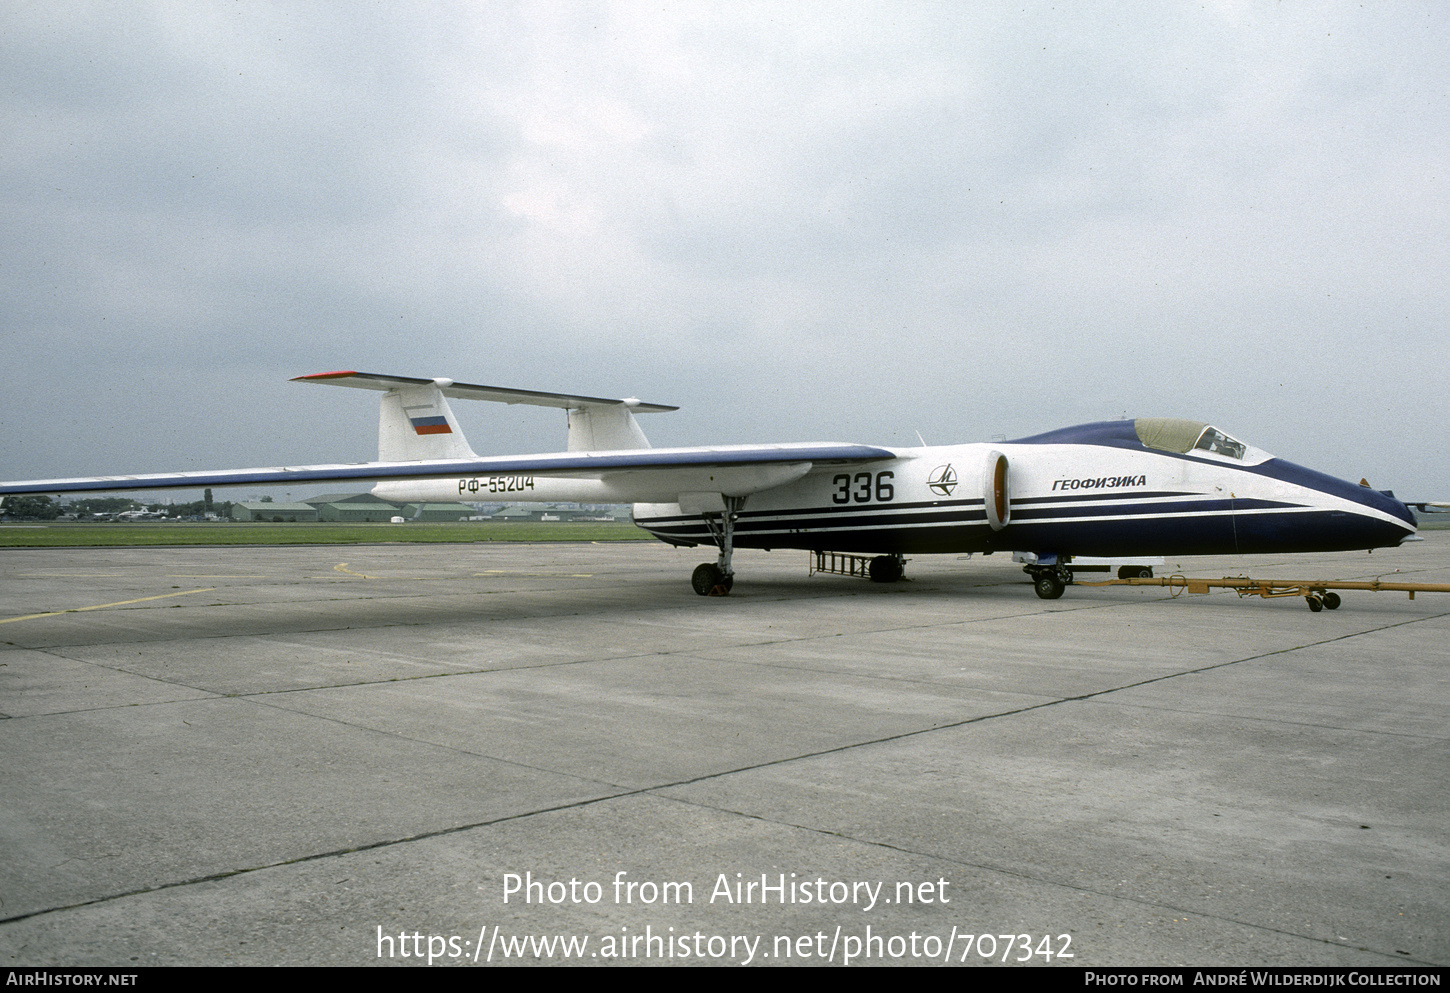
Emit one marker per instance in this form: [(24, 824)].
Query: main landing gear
[(1048, 581), (886, 568), (717, 578), (708, 580)]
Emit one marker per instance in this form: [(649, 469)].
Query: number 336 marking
[(860, 487)]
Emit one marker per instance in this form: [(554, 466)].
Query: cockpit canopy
[(1197, 441), (1172, 434)]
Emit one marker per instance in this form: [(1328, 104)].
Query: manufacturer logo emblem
[(943, 480)]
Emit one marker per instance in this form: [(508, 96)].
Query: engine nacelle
[(995, 490)]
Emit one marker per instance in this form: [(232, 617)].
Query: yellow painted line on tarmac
[(342, 567), (102, 606)]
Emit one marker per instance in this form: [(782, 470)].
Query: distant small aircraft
[(1151, 486)]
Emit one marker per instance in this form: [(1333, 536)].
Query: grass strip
[(62, 534)]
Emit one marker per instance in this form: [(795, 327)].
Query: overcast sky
[(799, 222)]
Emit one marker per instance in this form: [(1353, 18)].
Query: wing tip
[(324, 375)]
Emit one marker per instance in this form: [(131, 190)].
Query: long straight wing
[(657, 473)]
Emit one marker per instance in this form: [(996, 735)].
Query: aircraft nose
[(1345, 515), (1403, 524), (1411, 522)]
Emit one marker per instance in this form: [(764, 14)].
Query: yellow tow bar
[(1317, 593)]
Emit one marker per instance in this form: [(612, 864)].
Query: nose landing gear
[(1048, 581)]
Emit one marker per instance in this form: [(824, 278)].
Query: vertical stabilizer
[(601, 428), (416, 423)]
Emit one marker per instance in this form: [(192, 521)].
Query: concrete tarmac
[(352, 755)]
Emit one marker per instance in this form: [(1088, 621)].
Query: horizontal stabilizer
[(470, 391)]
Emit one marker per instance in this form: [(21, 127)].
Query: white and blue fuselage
[(1095, 489)]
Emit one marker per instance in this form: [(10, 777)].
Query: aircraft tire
[(1331, 601), (885, 569), (1048, 586), (1315, 604), (707, 577)]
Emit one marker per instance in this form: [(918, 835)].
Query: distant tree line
[(43, 508), (33, 508)]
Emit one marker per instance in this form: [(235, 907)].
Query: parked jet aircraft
[(1153, 486)]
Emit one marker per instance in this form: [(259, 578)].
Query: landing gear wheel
[(885, 569), (1048, 586), (1315, 604), (708, 580), (716, 578), (1331, 601)]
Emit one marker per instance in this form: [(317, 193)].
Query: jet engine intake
[(997, 492)]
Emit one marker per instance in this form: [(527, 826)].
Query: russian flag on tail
[(431, 425)]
